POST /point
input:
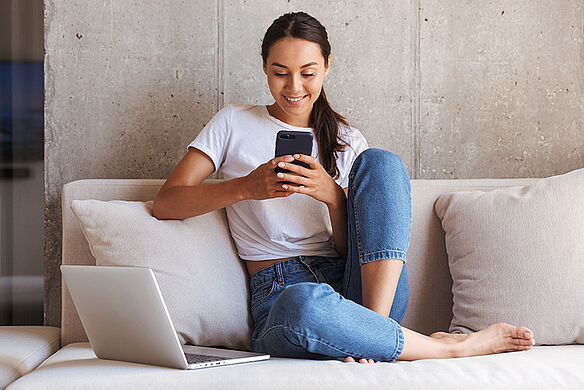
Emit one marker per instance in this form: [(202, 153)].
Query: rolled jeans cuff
[(400, 344), (385, 254)]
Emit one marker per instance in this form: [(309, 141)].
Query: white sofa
[(74, 366)]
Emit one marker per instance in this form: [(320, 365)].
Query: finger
[(282, 194), (287, 158), (300, 180), (294, 168), (307, 159), (298, 189)]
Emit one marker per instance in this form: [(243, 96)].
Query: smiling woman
[(295, 86), (325, 244)]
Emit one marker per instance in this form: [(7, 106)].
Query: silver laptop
[(125, 318)]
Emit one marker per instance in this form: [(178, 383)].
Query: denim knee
[(381, 163), (380, 207), (299, 303)]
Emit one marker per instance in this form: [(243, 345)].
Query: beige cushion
[(543, 367), (516, 255), (202, 280), (23, 348)]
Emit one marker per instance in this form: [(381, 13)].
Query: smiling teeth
[(294, 100)]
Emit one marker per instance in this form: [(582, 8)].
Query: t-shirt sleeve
[(214, 137), (357, 144)]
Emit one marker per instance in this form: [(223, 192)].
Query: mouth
[(294, 100)]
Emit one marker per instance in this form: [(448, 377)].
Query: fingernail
[(280, 175), (296, 156), (281, 164), (527, 334), (284, 186)]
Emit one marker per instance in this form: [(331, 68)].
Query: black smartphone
[(293, 142)]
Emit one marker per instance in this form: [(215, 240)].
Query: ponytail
[(325, 122)]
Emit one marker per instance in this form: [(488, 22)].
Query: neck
[(275, 111)]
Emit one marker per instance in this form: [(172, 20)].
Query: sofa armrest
[(23, 348)]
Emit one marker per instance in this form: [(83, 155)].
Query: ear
[(328, 68)]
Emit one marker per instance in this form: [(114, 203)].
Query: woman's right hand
[(263, 182)]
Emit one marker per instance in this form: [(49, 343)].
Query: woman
[(325, 246)]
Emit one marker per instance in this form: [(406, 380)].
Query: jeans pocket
[(263, 293)]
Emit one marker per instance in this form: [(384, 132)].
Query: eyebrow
[(303, 66)]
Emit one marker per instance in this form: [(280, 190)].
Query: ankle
[(452, 350)]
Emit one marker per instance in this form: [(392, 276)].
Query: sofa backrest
[(430, 297)]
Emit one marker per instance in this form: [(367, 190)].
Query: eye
[(285, 74)]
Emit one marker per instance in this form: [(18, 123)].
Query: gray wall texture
[(468, 89)]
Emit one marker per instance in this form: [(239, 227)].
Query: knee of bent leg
[(295, 297), (298, 301), (381, 162)]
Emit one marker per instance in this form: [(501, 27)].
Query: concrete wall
[(457, 89)]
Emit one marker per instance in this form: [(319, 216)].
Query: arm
[(338, 216), (182, 195)]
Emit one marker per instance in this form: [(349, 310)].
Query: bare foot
[(349, 359), (449, 337), (500, 337)]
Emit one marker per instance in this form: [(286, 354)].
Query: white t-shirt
[(238, 139)]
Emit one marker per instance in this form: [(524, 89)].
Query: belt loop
[(279, 272)]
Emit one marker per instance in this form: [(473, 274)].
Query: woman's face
[(295, 70)]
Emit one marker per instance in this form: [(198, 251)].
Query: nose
[(294, 84)]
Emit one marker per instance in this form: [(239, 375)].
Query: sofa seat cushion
[(76, 367), (23, 348)]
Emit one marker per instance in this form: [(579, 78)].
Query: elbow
[(155, 212), (158, 208)]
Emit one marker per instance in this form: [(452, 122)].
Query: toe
[(349, 359), (523, 333), (524, 342)]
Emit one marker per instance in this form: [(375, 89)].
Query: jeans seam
[(307, 337), (357, 230)]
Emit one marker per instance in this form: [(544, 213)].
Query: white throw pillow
[(516, 255), (202, 280)]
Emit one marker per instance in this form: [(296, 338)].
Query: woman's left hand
[(313, 181)]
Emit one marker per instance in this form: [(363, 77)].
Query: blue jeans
[(311, 306)]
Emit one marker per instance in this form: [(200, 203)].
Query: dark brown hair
[(323, 119)]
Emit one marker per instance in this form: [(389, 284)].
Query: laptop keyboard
[(194, 358)]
